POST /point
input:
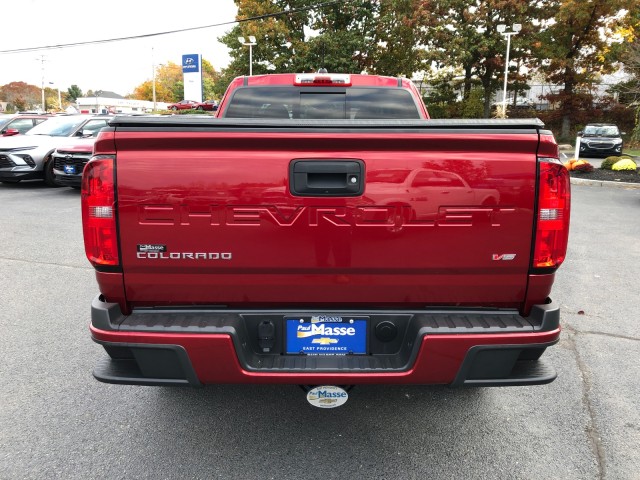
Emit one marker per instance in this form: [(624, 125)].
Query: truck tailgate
[(445, 217)]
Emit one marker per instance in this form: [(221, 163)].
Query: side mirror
[(623, 133), (580, 133), (10, 132)]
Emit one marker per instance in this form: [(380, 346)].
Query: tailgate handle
[(326, 178)]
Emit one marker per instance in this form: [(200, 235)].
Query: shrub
[(609, 162), (578, 165), (625, 164), (582, 167)]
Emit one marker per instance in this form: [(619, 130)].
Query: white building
[(110, 102)]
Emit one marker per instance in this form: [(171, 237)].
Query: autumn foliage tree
[(575, 48), (21, 96), (170, 85)]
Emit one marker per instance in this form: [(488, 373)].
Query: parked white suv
[(29, 156)]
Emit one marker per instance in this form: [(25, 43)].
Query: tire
[(49, 177)]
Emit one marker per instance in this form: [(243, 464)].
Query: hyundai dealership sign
[(190, 63), (192, 76)]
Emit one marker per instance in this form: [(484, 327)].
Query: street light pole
[(97, 93), (502, 30), (250, 44), (153, 62), (59, 96)]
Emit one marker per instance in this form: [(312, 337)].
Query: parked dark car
[(209, 105), (17, 124), (183, 105), (69, 161), (600, 139)]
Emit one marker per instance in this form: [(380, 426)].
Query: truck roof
[(340, 79)]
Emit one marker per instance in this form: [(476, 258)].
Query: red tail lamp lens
[(554, 207), (98, 212)]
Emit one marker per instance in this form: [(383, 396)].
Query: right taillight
[(552, 219), (98, 211)]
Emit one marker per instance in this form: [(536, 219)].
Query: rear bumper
[(197, 347)]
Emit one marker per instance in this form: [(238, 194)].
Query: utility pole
[(42, 60)]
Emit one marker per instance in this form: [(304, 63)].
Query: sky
[(117, 66)]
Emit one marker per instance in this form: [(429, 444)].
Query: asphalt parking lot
[(58, 422)]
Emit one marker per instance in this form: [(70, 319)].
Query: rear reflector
[(98, 207), (554, 205)]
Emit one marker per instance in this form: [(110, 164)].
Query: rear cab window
[(290, 102)]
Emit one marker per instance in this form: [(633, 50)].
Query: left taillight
[(99, 211), (554, 208)]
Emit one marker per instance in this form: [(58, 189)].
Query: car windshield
[(604, 130), (58, 126)]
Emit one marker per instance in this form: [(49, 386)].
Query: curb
[(602, 183)]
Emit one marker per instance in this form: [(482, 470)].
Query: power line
[(169, 32)]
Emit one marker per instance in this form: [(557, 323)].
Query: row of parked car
[(55, 149), (208, 105)]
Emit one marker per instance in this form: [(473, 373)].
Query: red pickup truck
[(323, 231)]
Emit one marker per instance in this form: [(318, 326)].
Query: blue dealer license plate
[(326, 335), (70, 169)]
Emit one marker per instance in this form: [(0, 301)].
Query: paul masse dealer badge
[(327, 396)]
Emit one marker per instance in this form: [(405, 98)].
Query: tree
[(342, 36), (442, 99), (574, 48), (73, 93), (21, 95), (51, 99), (462, 34), (397, 35), (169, 85), (629, 52), (280, 39), (345, 35), (210, 77)]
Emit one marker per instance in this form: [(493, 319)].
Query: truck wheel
[(49, 177)]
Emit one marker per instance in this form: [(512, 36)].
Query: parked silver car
[(29, 156)]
